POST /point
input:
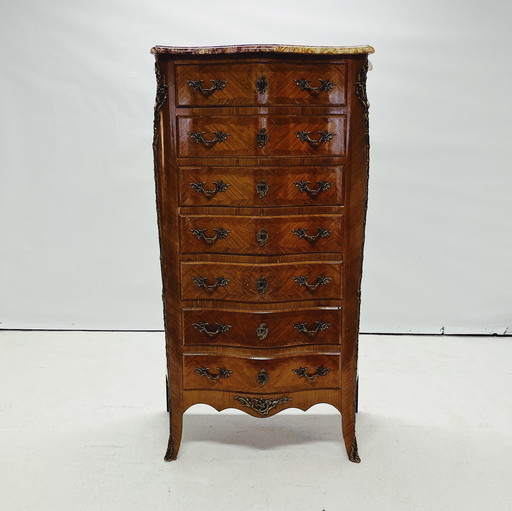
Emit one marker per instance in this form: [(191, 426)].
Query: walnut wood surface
[(242, 186), (239, 84), (261, 235), (242, 130), (245, 324), (280, 373), (239, 303)]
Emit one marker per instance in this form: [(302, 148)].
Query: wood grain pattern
[(239, 84), (260, 287), (279, 371), (243, 279), (241, 189), (242, 131), (238, 234), (281, 328)]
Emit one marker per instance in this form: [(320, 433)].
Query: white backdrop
[(79, 244)]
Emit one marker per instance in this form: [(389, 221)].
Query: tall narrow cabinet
[(261, 169)]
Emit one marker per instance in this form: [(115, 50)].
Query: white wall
[(78, 231)]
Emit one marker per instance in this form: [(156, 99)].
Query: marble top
[(267, 48)]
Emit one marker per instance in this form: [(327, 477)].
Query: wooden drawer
[(255, 84), (255, 235), (277, 282), (261, 375), (262, 329), (244, 135), (263, 186)]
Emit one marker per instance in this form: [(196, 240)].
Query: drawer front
[(269, 329), (260, 84), (267, 186), (261, 375), (256, 235), (260, 283), (250, 135)]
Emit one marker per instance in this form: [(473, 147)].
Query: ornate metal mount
[(303, 234), (262, 378), (221, 328), (262, 189), (201, 282), (261, 405), (169, 454), (261, 285), (323, 186), (220, 234), (321, 280), (325, 85), (262, 237), (262, 84), (301, 372), (303, 329), (262, 331), (262, 137), (205, 371), (363, 98), (220, 186), (197, 85), (325, 137), (198, 137), (353, 455)]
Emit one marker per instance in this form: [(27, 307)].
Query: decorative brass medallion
[(262, 237), (261, 405), (262, 331), (261, 285), (262, 378), (262, 138), (262, 188), (262, 84)]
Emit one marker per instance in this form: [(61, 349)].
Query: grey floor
[(83, 427)]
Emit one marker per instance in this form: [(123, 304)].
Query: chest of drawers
[(261, 169)]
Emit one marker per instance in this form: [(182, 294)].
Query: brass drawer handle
[(201, 282), (205, 371), (302, 234), (198, 137), (200, 235), (220, 186), (325, 85), (323, 186), (197, 85), (262, 405), (222, 328), (325, 137), (321, 280), (303, 329), (301, 372)]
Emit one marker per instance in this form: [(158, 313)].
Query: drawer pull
[(205, 371), (325, 85), (262, 189), (262, 378), (303, 234), (220, 186), (198, 137), (261, 285), (321, 280), (262, 237), (324, 137), (301, 372), (197, 85), (221, 328), (262, 84), (201, 282), (323, 186), (303, 329), (200, 235), (262, 331), (262, 405), (262, 138)]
